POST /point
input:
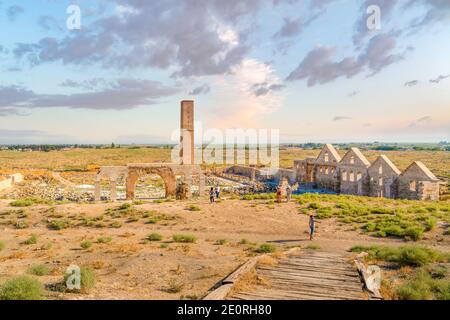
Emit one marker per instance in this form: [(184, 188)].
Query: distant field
[(82, 159)]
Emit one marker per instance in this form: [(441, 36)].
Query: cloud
[(30, 137), (436, 11), (353, 93), (235, 102), (290, 28), (340, 118), (411, 83), (203, 89), (4, 112), (191, 37), (49, 23), (319, 67), (423, 121), (89, 84), (439, 78), (121, 94), (262, 89), (14, 11)]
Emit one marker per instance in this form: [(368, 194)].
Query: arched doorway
[(166, 174)]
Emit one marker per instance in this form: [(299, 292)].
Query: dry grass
[(249, 281)]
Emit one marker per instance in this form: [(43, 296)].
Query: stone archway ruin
[(165, 173), (132, 172)]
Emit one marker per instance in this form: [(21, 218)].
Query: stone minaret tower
[(187, 132)]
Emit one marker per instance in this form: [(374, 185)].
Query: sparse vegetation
[(104, 239), (266, 248), (220, 242), (86, 244), (194, 207), (38, 270), (154, 237), (2, 245), (21, 288), (184, 238), (59, 224), (87, 281), (174, 286), (31, 240), (414, 256)]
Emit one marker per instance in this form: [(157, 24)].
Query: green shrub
[(21, 224), (87, 281), (244, 241), (86, 244), (59, 224), (104, 239), (414, 256), (31, 240), (314, 206), (154, 237), (21, 288), (184, 238), (266, 248), (125, 206), (220, 242), (116, 224), (2, 245), (421, 286), (194, 207), (22, 203), (313, 247), (38, 270)]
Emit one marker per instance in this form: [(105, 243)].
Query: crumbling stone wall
[(383, 175), (354, 176), (418, 183)]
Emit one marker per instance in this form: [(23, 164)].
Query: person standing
[(211, 195), (312, 227), (279, 194), (217, 192), (288, 193)]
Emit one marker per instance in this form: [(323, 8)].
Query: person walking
[(217, 192), (312, 227), (211, 195), (288, 193), (279, 194)]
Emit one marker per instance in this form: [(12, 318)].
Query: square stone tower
[(187, 132)]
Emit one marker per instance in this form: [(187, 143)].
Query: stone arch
[(165, 173)]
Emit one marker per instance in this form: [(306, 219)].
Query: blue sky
[(309, 68)]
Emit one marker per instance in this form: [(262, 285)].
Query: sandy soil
[(130, 267)]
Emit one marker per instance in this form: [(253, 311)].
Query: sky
[(311, 68)]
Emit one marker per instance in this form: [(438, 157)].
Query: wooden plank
[(317, 281), (316, 289), (282, 282), (310, 275), (349, 273), (220, 293), (316, 266), (246, 267)]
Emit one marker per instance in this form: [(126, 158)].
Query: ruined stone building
[(355, 175)]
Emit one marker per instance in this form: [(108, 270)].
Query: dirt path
[(308, 275)]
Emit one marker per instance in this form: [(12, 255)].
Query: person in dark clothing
[(312, 227), (211, 195), (217, 192)]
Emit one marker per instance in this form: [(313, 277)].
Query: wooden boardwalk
[(308, 275)]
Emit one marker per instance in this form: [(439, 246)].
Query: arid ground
[(166, 249)]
